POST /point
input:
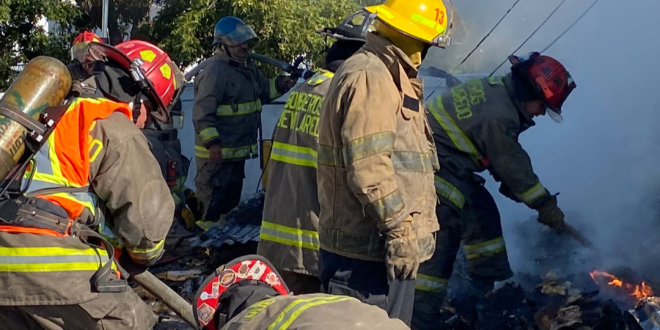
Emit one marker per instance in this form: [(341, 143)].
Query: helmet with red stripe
[(235, 286), (552, 82), (78, 51), (151, 68)]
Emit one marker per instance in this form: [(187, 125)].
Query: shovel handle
[(165, 294), (578, 236)]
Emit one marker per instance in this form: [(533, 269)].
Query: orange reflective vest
[(64, 160)]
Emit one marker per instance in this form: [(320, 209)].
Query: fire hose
[(166, 295)]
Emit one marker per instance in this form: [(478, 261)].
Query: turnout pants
[(219, 186), (109, 311), (469, 217), (366, 281)]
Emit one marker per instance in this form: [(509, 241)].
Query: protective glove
[(551, 215), (195, 205), (188, 218), (401, 252), (215, 153)]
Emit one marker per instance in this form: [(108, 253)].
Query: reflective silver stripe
[(240, 152), (484, 249), (329, 156), (449, 191), (15, 260), (533, 194), (409, 161), (430, 283), (368, 146), (387, 206), (308, 239)]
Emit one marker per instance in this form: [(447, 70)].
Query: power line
[(571, 26), (485, 37), (530, 36)]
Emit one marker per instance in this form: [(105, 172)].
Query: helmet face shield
[(555, 115), (444, 39), (242, 34)]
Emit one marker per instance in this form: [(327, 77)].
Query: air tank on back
[(44, 82)]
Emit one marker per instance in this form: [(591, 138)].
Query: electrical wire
[(570, 27), (485, 37), (530, 36)]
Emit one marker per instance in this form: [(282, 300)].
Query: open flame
[(638, 291)]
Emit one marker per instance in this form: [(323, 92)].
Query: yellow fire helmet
[(427, 20)]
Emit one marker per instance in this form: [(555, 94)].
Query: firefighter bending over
[(249, 294), (476, 127), (94, 169)]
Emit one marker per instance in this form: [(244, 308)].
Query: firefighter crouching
[(229, 93), (249, 294), (95, 167), (289, 230), (376, 161), (476, 127)]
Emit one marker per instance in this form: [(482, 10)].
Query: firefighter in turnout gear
[(94, 171), (248, 293), (229, 93), (289, 235), (81, 62), (476, 127), (376, 160)]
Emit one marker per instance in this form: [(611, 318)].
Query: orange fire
[(638, 291)]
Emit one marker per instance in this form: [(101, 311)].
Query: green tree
[(21, 39), (286, 28)]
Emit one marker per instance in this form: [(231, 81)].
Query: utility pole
[(104, 24)]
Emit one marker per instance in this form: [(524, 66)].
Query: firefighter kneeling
[(95, 167)]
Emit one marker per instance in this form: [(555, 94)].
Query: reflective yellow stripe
[(448, 191), (147, 253), (50, 259), (297, 307), (484, 249), (320, 77), (273, 93), (202, 152), (229, 153), (240, 152), (307, 239), (292, 154), (387, 206), (368, 146), (460, 140), (208, 134), (241, 109), (430, 283), (533, 194)]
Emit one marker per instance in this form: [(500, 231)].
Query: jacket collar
[(223, 56), (391, 55), (525, 118), (397, 62)]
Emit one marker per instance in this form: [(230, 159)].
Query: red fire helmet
[(78, 51), (150, 67), (552, 81)]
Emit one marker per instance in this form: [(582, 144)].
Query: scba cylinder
[(44, 82)]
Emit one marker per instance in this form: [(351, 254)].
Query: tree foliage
[(21, 39), (183, 28), (286, 28)]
